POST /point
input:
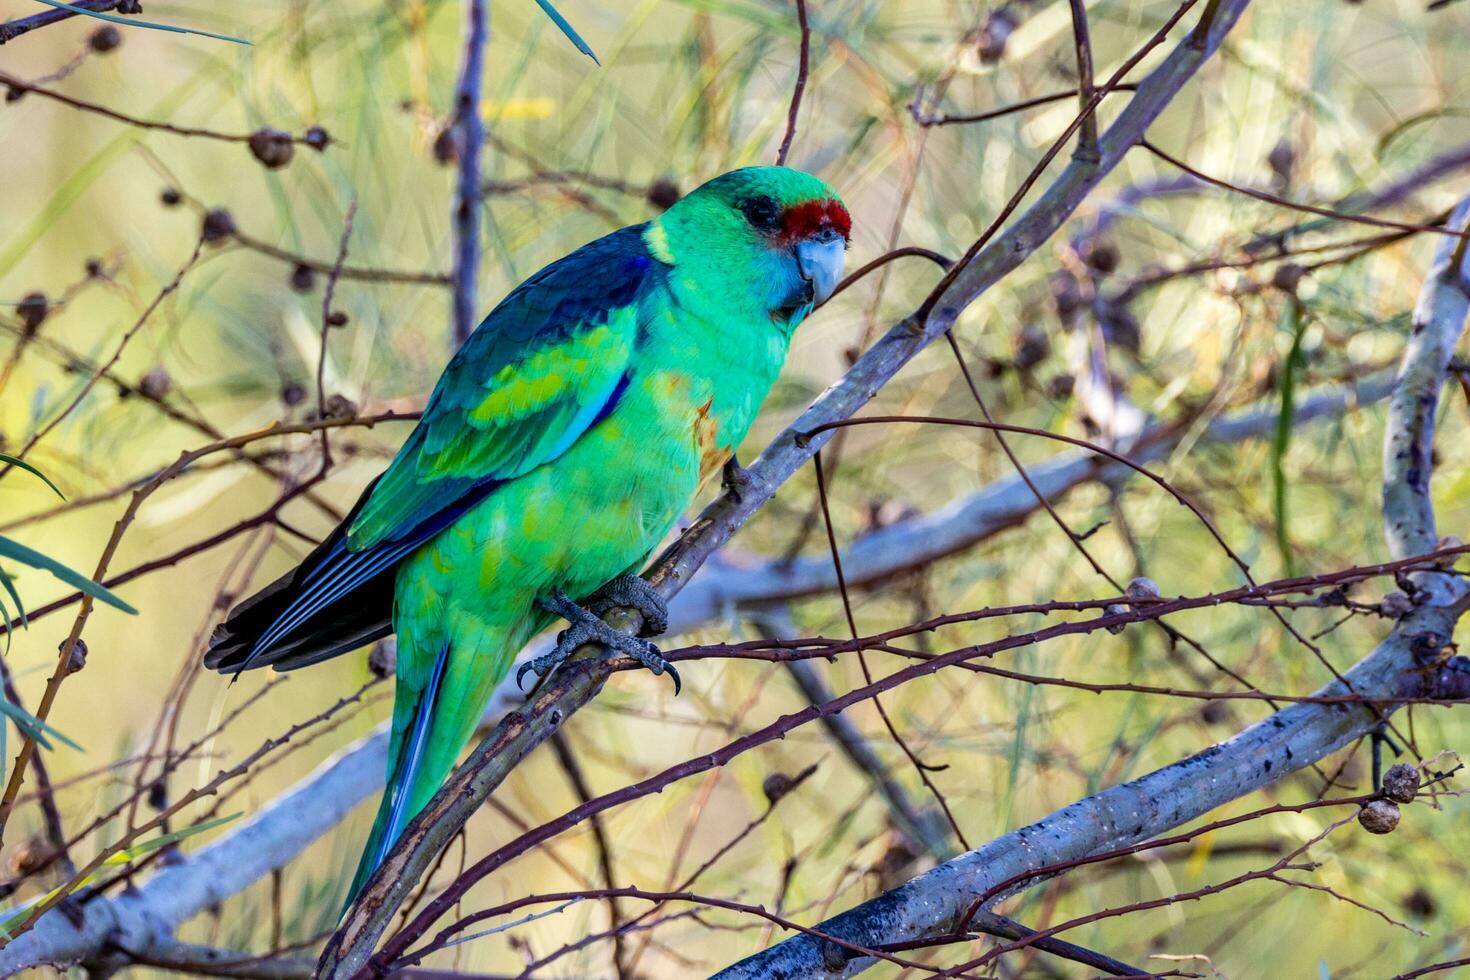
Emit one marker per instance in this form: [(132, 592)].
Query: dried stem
[(803, 66), (471, 139)]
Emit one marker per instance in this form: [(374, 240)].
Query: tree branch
[(1441, 310), (143, 920), (471, 139), (12, 29)]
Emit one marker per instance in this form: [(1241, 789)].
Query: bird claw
[(633, 592), (586, 627)]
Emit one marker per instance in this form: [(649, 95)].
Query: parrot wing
[(545, 366), (548, 363)]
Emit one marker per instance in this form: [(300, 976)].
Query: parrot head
[(772, 237)]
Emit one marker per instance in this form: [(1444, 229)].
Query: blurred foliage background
[(1315, 101)]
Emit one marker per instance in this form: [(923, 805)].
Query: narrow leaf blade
[(135, 22), (14, 550), (9, 585), (164, 840), (33, 727), (567, 29), (10, 460)]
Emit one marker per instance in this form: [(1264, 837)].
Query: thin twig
[(20, 84), (1087, 151), (802, 67), (357, 273), (326, 329), (955, 119), (465, 215), (923, 769), (168, 290), (575, 776), (1360, 219), (12, 29)]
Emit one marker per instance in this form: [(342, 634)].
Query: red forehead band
[(804, 220)]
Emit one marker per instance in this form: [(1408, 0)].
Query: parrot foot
[(633, 592), (736, 478), (588, 628)]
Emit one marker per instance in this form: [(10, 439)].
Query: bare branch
[(802, 68), (1441, 310), (471, 139), (12, 29), (21, 85)]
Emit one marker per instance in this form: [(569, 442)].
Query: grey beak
[(820, 260)]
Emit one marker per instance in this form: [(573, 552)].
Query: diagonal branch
[(1406, 450), (1087, 136), (470, 130), (12, 29)]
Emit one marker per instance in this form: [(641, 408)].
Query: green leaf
[(14, 550), (14, 920), (33, 727), (567, 29), (135, 22), (9, 585), (164, 840), (1292, 320), (10, 460)]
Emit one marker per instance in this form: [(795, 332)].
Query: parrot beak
[(820, 260)]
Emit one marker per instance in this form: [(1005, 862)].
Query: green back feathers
[(548, 362), (540, 370)]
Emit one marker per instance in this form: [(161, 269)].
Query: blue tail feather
[(393, 811), (348, 571)]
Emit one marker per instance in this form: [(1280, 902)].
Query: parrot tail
[(336, 600), (407, 749)]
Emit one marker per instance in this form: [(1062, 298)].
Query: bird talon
[(586, 627), (633, 592), (649, 656), (543, 665)]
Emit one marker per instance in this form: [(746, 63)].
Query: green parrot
[(559, 447)]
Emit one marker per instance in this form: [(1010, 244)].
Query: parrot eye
[(762, 212)]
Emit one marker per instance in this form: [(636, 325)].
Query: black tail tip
[(227, 653)]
